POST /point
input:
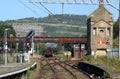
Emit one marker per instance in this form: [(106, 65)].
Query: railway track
[(54, 68)]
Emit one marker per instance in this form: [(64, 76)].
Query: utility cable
[(75, 1), (114, 7), (28, 7), (40, 8), (49, 12), (46, 9)]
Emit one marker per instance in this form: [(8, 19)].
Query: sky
[(18, 9)]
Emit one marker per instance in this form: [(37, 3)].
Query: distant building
[(100, 31)]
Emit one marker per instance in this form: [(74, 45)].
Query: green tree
[(116, 34), (68, 47), (3, 26), (41, 48), (58, 49), (116, 29)]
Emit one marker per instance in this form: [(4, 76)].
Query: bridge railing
[(50, 39)]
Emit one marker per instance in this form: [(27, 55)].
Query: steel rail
[(57, 63), (52, 68), (73, 75), (66, 65)]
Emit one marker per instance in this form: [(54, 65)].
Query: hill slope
[(56, 25)]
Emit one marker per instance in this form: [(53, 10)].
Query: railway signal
[(28, 45), (30, 34), (29, 39)]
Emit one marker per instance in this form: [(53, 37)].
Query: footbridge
[(49, 39)]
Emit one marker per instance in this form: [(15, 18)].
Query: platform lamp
[(5, 44), (119, 29)]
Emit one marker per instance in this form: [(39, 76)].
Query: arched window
[(101, 31)]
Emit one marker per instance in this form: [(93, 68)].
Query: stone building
[(100, 31)]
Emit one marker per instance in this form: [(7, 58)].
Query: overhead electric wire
[(91, 1), (109, 3), (75, 1), (28, 7), (114, 7), (40, 8), (49, 12), (46, 9), (83, 1)]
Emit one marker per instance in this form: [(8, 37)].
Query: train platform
[(14, 68)]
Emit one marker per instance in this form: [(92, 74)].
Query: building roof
[(101, 20), (101, 14)]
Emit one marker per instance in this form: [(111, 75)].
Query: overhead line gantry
[(89, 2)]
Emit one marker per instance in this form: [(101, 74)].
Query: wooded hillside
[(59, 25)]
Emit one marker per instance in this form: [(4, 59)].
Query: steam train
[(48, 53)]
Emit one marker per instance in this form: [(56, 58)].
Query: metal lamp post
[(5, 44), (20, 48), (109, 56), (119, 32)]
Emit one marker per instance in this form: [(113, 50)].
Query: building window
[(101, 31), (82, 46), (94, 31), (108, 31)]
